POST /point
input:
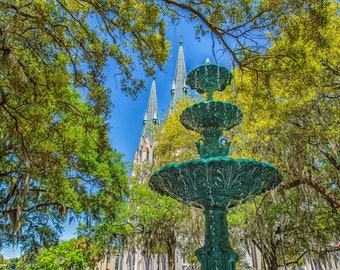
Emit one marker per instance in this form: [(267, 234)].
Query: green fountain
[(214, 182)]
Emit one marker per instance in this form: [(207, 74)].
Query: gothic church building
[(144, 151)]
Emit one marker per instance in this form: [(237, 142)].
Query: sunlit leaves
[(290, 117), (174, 142), (290, 99), (65, 255)]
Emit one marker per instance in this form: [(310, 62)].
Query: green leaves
[(56, 160), (65, 255), (174, 142), (55, 155), (289, 94), (158, 221), (287, 105)]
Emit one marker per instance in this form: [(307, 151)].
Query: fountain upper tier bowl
[(217, 182), (211, 114), (209, 78)]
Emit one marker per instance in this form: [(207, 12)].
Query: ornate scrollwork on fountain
[(215, 182)]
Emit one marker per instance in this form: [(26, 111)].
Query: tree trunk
[(171, 246), (273, 265), (272, 261), (268, 252)]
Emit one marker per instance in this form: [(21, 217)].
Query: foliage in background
[(174, 142), (2, 262), (291, 120), (110, 235), (289, 93), (243, 28), (154, 219), (65, 255)]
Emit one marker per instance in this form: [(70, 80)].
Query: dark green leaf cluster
[(55, 158)]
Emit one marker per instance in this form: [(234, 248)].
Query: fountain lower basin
[(216, 182)]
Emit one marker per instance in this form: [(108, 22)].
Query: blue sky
[(127, 115)]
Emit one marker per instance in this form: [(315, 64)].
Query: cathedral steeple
[(151, 114), (179, 88), (150, 122)]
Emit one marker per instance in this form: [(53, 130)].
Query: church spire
[(150, 121), (179, 88), (151, 115)]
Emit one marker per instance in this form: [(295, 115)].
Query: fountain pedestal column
[(216, 253)]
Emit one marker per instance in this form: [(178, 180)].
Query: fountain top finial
[(209, 78)]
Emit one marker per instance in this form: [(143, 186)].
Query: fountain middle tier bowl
[(216, 182), (211, 114)]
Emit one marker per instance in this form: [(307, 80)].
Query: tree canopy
[(161, 225), (65, 255), (55, 157), (290, 104), (289, 94), (244, 28)]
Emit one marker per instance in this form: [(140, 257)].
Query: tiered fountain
[(215, 181)]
